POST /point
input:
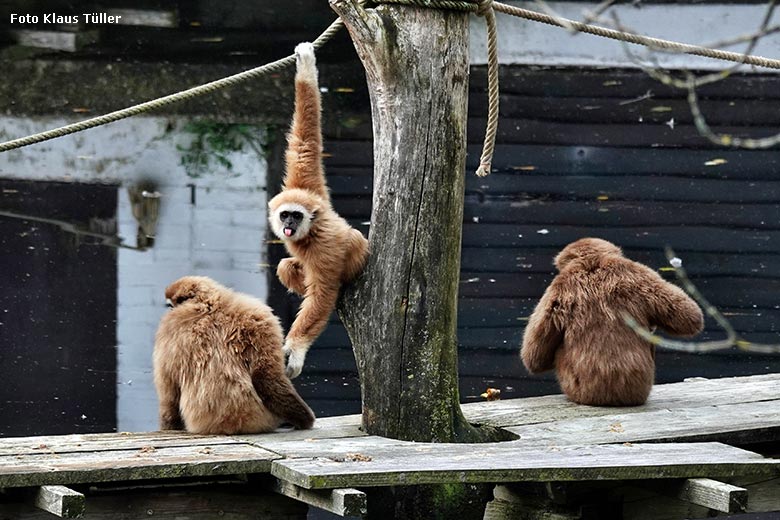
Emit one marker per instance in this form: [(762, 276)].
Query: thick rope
[(167, 100), (482, 8), (458, 5), (489, 145)]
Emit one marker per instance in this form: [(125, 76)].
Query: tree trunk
[(401, 313)]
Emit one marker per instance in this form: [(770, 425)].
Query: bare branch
[(733, 339)]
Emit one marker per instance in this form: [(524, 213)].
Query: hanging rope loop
[(485, 10)]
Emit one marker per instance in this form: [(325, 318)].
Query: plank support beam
[(708, 493), (60, 501), (342, 502)]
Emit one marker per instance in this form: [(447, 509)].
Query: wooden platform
[(684, 431)]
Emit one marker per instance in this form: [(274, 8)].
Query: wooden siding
[(580, 154)]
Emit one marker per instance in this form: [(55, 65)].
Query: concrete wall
[(220, 235), (525, 42)]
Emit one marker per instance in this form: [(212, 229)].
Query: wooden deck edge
[(130, 465), (504, 463), (341, 502)]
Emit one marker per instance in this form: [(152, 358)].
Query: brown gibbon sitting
[(578, 328), (218, 363)]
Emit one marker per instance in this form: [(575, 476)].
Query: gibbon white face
[(291, 221)]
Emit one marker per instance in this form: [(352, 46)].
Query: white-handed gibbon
[(218, 363), (578, 328), (326, 251)]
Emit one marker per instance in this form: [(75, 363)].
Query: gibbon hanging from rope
[(326, 251)]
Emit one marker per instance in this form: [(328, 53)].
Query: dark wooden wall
[(58, 301), (606, 153)]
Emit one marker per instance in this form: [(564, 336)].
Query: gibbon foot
[(295, 352)]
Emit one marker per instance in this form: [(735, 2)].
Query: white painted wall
[(222, 235), (525, 42)]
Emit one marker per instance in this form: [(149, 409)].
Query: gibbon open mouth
[(288, 232)]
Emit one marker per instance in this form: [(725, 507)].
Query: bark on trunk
[(401, 313)]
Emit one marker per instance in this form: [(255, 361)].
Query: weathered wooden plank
[(60, 501), (151, 463), (70, 41), (583, 108), (419, 463), (538, 208), (145, 17), (711, 392), (584, 187), (581, 160), (324, 428), (604, 133), (552, 83), (744, 422), (542, 209), (334, 448), (96, 442), (706, 238), (711, 494), (342, 502)]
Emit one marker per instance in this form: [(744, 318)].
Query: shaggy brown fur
[(326, 251), (577, 327), (218, 363)]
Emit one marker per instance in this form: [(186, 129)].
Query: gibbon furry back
[(577, 327), (218, 363), (326, 251)]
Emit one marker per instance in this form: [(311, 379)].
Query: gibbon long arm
[(541, 338), (168, 396), (318, 303), (304, 150), (671, 309)]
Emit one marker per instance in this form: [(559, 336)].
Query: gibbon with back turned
[(326, 251), (578, 328), (218, 363)]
